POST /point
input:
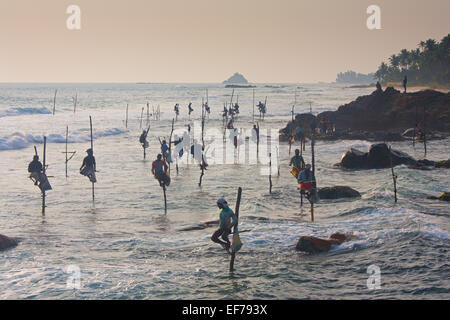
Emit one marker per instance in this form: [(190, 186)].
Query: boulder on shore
[(338, 192), (7, 243)]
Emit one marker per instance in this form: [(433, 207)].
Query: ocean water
[(125, 247)]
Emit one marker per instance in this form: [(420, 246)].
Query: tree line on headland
[(429, 64)]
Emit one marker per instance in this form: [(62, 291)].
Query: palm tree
[(395, 61), (430, 44), (404, 58)]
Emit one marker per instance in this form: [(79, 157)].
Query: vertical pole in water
[(253, 114), (54, 102), (270, 173), (423, 132), (235, 229), (148, 114), (92, 147), (278, 162), (202, 163), (126, 118), (165, 197), (75, 102), (142, 114), (43, 172), (67, 138), (414, 131), (313, 174), (394, 176)]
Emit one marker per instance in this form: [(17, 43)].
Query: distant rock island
[(236, 78)]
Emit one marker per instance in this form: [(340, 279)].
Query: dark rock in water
[(338, 192), (444, 197), (317, 245), (6, 242), (353, 159), (239, 86), (378, 157), (443, 164), (426, 162), (312, 245)]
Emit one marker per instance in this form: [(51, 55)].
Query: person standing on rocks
[(405, 81)]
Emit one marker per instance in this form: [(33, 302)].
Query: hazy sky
[(207, 40)]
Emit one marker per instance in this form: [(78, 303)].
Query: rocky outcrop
[(392, 109), (7, 243), (378, 157), (384, 116), (338, 192), (316, 245)]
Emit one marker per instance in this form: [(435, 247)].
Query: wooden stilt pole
[(203, 162), (165, 197), (270, 173), (126, 118), (170, 145), (414, 131), (278, 162), (75, 100), (92, 147), (424, 135), (148, 114), (67, 155), (235, 229), (142, 115), (44, 163), (313, 174), (54, 102), (265, 107), (394, 176), (72, 153), (253, 108)]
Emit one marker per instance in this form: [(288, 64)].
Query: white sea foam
[(20, 140), (20, 111)]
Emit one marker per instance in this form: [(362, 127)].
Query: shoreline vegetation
[(427, 66)]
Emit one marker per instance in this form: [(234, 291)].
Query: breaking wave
[(20, 140), (21, 111)]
